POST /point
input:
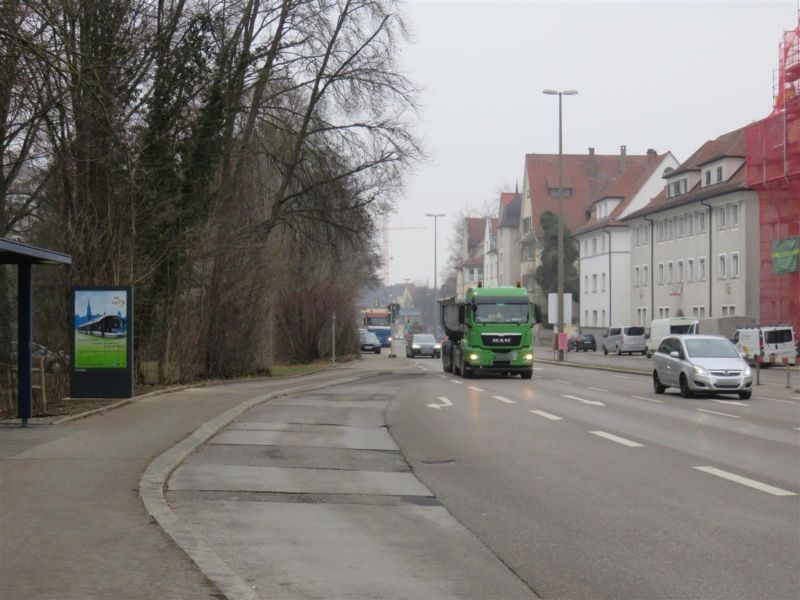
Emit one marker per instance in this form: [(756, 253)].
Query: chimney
[(651, 155), (623, 158)]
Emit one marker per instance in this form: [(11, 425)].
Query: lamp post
[(435, 268), (560, 93)]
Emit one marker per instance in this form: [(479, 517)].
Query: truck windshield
[(501, 313), (378, 320)]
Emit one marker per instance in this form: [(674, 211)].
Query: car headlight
[(415, 346), (698, 370), (747, 371), (390, 338), (529, 356), (474, 357), (437, 347)]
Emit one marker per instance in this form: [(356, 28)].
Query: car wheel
[(619, 352), (647, 354), (605, 350), (644, 353), (685, 391), (745, 395), (657, 387)]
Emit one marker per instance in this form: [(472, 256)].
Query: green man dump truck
[(489, 331)]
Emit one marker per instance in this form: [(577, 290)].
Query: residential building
[(471, 268), (490, 266), (694, 247), (773, 170), (584, 175), (605, 243), (501, 250)]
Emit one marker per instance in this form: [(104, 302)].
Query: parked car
[(701, 363), (659, 328), (423, 344), (583, 341), (772, 343), (370, 342), (624, 340)]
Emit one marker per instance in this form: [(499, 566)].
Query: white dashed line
[(475, 389), (457, 381), (443, 376), (537, 376), (584, 400), (616, 438), (506, 400), (731, 402), (745, 481), (547, 415), (595, 389), (648, 399), (538, 368), (722, 414), (775, 400), (562, 381)]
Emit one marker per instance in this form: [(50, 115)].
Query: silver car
[(701, 363), (624, 340)]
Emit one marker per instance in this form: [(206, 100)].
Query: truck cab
[(489, 331)]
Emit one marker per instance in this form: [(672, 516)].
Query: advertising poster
[(101, 329)]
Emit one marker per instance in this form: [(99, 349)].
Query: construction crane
[(386, 258)]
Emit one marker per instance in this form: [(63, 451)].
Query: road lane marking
[(562, 381), (547, 415), (745, 481), (648, 399), (775, 400), (596, 389), (616, 438), (714, 412), (445, 403), (593, 372), (537, 376), (475, 389), (732, 402), (621, 376), (457, 381), (443, 376), (538, 368), (506, 400), (584, 400)]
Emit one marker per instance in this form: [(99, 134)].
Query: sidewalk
[(72, 524)]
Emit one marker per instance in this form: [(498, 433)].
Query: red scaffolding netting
[(773, 144)]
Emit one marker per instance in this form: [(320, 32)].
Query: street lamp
[(560, 93), (435, 217)]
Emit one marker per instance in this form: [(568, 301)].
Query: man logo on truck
[(503, 340)]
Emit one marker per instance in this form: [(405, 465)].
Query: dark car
[(423, 344), (370, 342), (583, 341)]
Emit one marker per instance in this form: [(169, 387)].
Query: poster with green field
[(101, 329)]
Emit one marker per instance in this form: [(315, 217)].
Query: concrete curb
[(157, 473), (593, 367)]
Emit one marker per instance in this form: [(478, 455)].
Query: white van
[(773, 343), (660, 328)]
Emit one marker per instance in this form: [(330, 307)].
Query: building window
[(646, 281), (670, 270), (594, 318), (680, 272), (526, 224), (721, 217), (701, 221), (701, 269), (708, 177), (594, 283), (719, 174), (603, 281), (594, 245), (660, 273), (689, 224), (635, 236), (586, 318), (603, 244), (646, 234), (603, 313), (734, 215), (676, 188), (722, 272), (660, 232), (635, 276), (670, 228), (586, 247), (663, 312), (735, 265), (680, 225), (585, 284), (690, 270)]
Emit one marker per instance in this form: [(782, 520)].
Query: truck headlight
[(390, 338), (528, 356), (415, 346), (474, 357)]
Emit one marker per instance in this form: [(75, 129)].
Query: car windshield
[(424, 338), (501, 313), (711, 349), (587, 337)]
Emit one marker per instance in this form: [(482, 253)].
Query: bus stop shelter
[(25, 256)]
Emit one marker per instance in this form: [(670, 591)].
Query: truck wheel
[(456, 363), (526, 374)]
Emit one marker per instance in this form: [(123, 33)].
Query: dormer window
[(708, 177), (553, 192), (676, 188), (719, 174)]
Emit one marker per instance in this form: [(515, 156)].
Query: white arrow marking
[(562, 381), (731, 402), (594, 402), (596, 389), (722, 414), (616, 438), (746, 481), (506, 400), (648, 399), (445, 403), (475, 389), (457, 381), (547, 415)]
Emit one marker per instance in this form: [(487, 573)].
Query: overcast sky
[(666, 75)]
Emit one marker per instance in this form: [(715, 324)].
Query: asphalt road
[(587, 485)]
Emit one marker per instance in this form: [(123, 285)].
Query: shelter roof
[(13, 252)]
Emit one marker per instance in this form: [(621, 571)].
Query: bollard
[(758, 369)]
